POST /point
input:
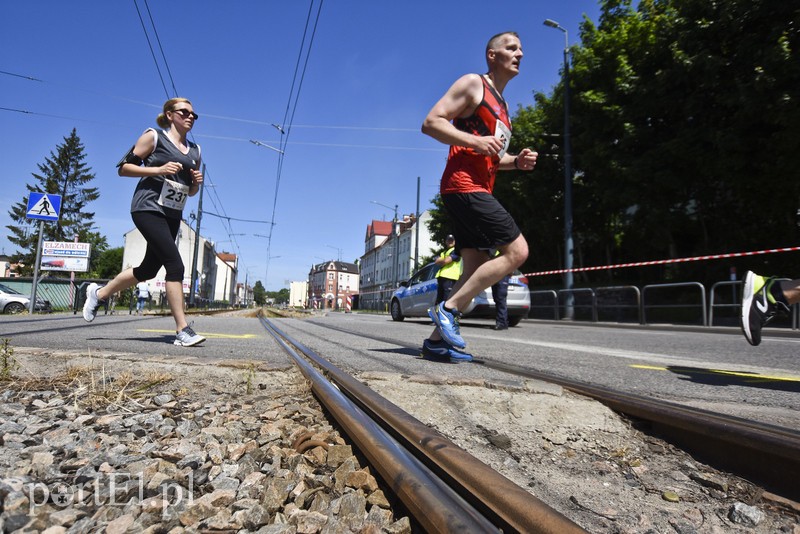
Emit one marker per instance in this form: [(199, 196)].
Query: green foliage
[(438, 225), (683, 115), (108, 263), (279, 297), (250, 375), (8, 364), (63, 173), (259, 293)]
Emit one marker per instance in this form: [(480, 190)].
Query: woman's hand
[(172, 167)]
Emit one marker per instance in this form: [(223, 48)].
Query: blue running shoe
[(448, 325), (441, 350), (458, 356)]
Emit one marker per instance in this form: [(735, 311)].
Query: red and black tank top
[(466, 170)]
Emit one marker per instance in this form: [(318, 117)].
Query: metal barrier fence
[(547, 293), (63, 295), (60, 292), (734, 285), (610, 298), (697, 285)]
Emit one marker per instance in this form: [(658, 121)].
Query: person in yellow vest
[(449, 263)]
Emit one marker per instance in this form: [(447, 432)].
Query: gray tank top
[(166, 193)]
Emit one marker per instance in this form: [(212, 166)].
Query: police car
[(415, 296)]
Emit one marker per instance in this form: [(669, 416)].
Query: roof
[(378, 228), (338, 266)]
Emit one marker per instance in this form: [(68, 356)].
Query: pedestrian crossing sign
[(44, 206)]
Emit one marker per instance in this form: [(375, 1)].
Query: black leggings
[(159, 231)]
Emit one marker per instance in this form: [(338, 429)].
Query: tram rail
[(445, 488), (766, 454)]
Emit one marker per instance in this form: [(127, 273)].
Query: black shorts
[(479, 221)]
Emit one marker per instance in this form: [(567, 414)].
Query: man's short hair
[(493, 41)]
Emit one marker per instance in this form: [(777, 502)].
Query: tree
[(279, 297), (438, 225), (683, 119), (109, 263), (684, 109), (259, 293), (63, 173)]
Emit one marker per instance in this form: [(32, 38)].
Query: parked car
[(12, 301), (415, 296)]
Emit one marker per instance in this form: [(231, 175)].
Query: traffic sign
[(44, 206)]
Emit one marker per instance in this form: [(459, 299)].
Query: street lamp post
[(569, 310)]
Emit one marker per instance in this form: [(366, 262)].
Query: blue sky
[(375, 69)]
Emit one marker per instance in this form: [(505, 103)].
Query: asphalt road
[(713, 369)]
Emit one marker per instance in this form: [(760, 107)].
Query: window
[(330, 276)]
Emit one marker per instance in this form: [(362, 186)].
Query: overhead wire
[(161, 49), (291, 107), (288, 118), (206, 115), (150, 45), (213, 196)]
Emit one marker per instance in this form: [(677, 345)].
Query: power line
[(20, 76), (286, 127), (221, 117), (234, 219), (161, 49), (152, 52)]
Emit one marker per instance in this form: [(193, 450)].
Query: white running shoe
[(187, 337), (92, 303)]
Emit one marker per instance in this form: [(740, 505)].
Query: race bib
[(173, 195), (502, 132)]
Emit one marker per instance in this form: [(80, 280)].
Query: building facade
[(298, 294), (214, 274), (226, 267), (392, 250), (331, 283), (244, 297)]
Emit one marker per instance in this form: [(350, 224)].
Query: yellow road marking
[(740, 374), (206, 334)]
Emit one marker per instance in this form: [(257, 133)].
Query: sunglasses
[(185, 113)]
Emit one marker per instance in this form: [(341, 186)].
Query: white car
[(416, 295), (12, 301)]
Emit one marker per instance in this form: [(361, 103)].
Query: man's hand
[(526, 160)]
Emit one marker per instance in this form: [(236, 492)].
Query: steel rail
[(510, 507), (436, 506), (768, 454)]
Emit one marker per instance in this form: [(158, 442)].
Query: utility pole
[(196, 241), (416, 229)]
